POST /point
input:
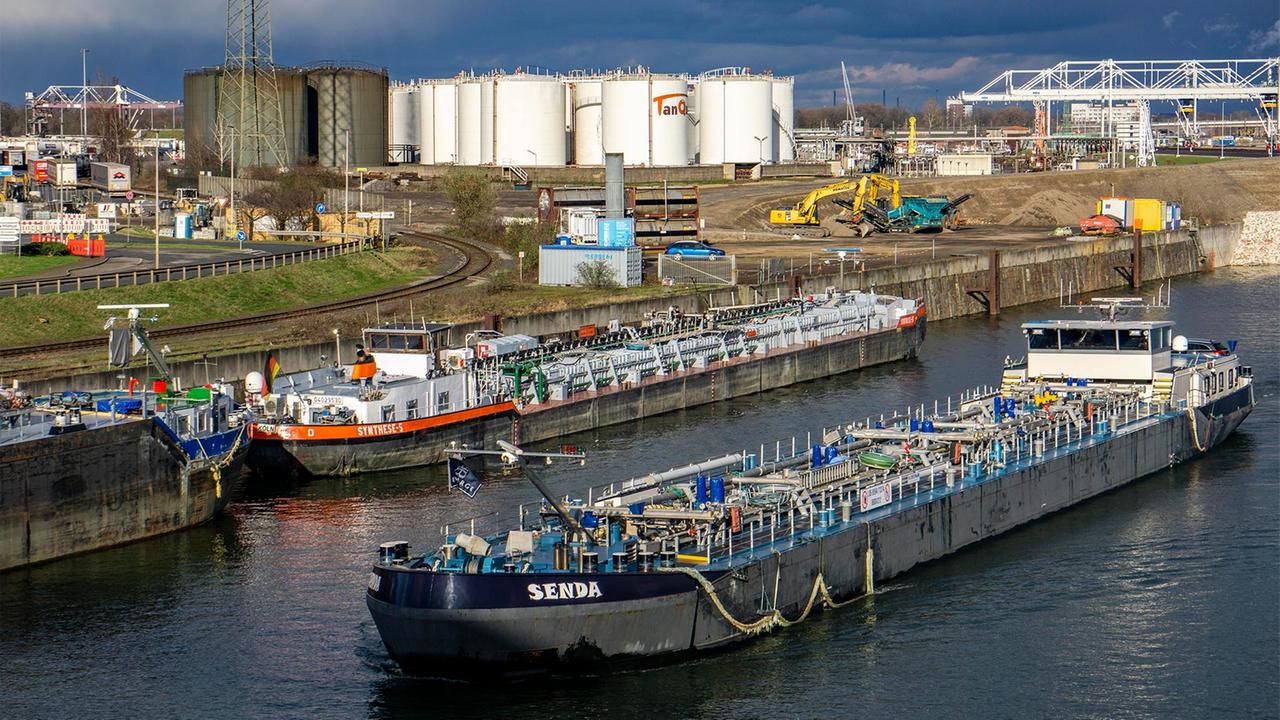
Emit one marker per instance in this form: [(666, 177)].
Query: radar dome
[(254, 383), (1179, 343)]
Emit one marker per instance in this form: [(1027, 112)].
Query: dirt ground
[(1005, 210)]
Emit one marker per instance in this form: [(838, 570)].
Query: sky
[(908, 50)]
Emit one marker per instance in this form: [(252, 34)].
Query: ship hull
[(426, 630), (289, 450), (105, 486)]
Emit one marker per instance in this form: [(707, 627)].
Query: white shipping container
[(62, 173), (558, 264), (1119, 208), (112, 177)]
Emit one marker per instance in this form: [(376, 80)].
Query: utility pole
[(84, 94), (234, 220)]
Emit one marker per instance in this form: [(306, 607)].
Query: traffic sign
[(128, 195), (241, 236), (320, 208), (367, 215)]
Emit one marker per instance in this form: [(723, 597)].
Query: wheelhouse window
[(1135, 340), (1042, 339), (1088, 339)]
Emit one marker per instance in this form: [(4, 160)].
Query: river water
[(1161, 599)]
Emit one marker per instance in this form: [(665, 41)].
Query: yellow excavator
[(866, 190)]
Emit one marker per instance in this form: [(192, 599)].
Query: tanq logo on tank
[(672, 104)]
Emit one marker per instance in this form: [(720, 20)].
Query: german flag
[(269, 373)]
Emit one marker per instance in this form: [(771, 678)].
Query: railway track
[(473, 260)]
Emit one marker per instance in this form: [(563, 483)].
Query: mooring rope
[(1195, 433), (773, 618)]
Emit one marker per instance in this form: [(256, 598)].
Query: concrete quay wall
[(1026, 276)]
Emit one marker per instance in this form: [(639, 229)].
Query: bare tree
[(931, 114), (114, 135), (253, 207)]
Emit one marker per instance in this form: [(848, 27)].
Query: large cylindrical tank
[(735, 122), (200, 90), (404, 115), (645, 117), (445, 103), (588, 121), (784, 119), (426, 98), (522, 120), (528, 120), (349, 99), (693, 121), (203, 90), (469, 121), (488, 114)]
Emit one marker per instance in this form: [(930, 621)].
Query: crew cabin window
[(411, 409), (388, 413), (1088, 339), (1221, 386), (442, 402), (1041, 339), (1135, 340)]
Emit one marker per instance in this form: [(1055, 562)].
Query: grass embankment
[(13, 266), (52, 318), (468, 304), (1185, 159)]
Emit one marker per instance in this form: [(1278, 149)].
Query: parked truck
[(113, 178), (62, 172)]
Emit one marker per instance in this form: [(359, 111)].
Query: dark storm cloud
[(912, 50)]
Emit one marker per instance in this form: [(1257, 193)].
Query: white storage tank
[(646, 118), (469, 122), (784, 120), (426, 103), (735, 119), (523, 120), (404, 115), (444, 103), (693, 122), (588, 120)]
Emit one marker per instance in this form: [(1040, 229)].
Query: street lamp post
[(346, 178), (362, 171), (156, 207), (535, 157), (760, 141)]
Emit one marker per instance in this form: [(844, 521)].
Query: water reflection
[(1159, 599)]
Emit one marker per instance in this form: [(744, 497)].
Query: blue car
[(693, 248)]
